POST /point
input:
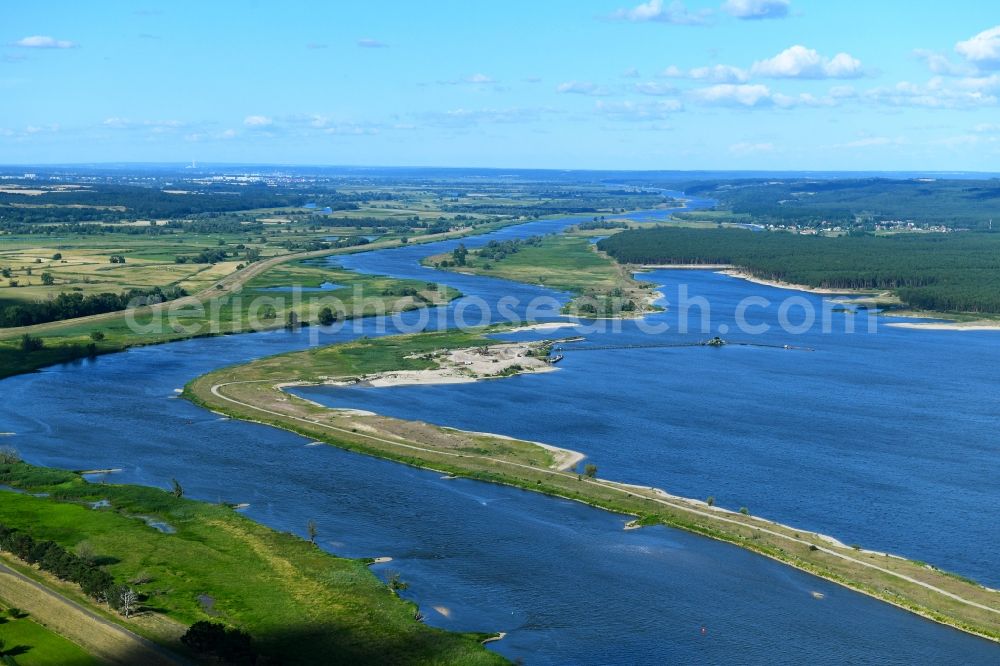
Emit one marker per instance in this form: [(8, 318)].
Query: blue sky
[(612, 84)]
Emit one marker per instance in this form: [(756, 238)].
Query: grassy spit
[(567, 262), (253, 392)]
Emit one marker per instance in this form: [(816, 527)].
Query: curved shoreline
[(806, 550)]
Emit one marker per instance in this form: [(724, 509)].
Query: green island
[(192, 561), (567, 262), (254, 391)]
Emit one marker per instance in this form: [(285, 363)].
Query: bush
[(227, 644), (30, 343)]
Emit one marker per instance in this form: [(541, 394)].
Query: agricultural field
[(31, 644)]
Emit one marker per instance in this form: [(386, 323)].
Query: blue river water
[(846, 439)]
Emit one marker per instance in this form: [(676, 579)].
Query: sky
[(599, 84)]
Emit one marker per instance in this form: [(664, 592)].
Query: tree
[(292, 320), (710, 501), (96, 336), (396, 583), (128, 600), (176, 490), (459, 254), (312, 530), (57, 256), (30, 343), (590, 470), (47, 279), (326, 317), (9, 455), (228, 645)]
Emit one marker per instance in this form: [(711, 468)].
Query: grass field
[(567, 262), (31, 644), (250, 392), (298, 602)]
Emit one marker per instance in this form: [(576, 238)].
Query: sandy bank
[(544, 326), (948, 325), (682, 267), (732, 272), (562, 459), (459, 366)]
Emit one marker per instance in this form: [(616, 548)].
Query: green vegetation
[(70, 305), (250, 392), (299, 604), (26, 643), (255, 307), (945, 272), (566, 262), (865, 203)]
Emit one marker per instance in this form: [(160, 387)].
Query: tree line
[(948, 272), (863, 201), (74, 304)]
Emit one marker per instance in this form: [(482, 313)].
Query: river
[(846, 439)]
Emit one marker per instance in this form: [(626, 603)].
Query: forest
[(75, 304), (956, 272), (112, 203), (969, 204)]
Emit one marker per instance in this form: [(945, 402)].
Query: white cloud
[(654, 10), (746, 148), (728, 94), (369, 43), (719, 74), (711, 73), (478, 78), (257, 121), (756, 9), (44, 42), (154, 126), (639, 111), (631, 73), (582, 88), (654, 88), (938, 94), (804, 63), (939, 63), (983, 49)]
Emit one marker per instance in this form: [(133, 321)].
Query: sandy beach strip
[(563, 459), (947, 325), (543, 326)]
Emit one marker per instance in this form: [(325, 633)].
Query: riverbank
[(885, 299), (299, 604), (250, 392), (212, 311)]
